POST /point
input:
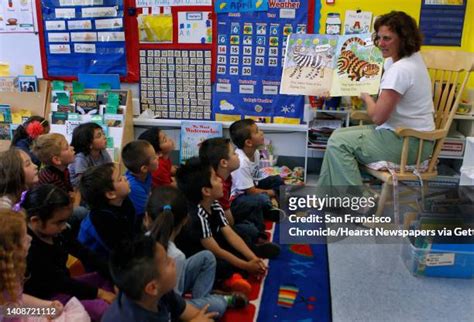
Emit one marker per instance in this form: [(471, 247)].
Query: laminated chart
[(249, 61), (176, 83)]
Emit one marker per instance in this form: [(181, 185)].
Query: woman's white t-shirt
[(409, 77)]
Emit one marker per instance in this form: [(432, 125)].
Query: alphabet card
[(194, 27)]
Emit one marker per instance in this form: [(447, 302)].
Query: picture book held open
[(331, 65)]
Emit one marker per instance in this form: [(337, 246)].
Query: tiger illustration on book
[(349, 63), (304, 58)]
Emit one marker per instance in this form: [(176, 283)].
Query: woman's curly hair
[(12, 255), (406, 29)]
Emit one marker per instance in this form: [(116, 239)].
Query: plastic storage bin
[(440, 260)]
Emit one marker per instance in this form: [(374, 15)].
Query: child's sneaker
[(236, 300), (274, 214), (267, 250), (237, 283)]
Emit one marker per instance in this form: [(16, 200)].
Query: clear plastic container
[(439, 260)]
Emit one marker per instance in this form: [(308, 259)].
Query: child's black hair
[(83, 136), (152, 135), (134, 156), (95, 182), (213, 150), (21, 133), (240, 131), (167, 207), (42, 201), (133, 265), (192, 177)]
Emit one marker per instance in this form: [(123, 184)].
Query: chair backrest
[(449, 72)]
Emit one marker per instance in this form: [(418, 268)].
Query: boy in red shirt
[(163, 146)]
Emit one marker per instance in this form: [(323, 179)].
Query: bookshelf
[(36, 102)]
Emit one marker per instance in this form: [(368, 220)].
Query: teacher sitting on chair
[(405, 100)]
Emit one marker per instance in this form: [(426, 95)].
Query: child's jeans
[(94, 307), (198, 278), (248, 210)]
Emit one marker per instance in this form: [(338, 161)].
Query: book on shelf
[(8, 84), (5, 113), (113, 120), (59, 117), (5, 131), (27, 84)]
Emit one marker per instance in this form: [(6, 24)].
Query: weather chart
[(251, 42)]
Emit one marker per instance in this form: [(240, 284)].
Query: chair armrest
[(360, 116), (429, 135)]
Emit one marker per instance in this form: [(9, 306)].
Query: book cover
[(27, 84), (84, 97), (59, 117), (57, 94), (103, 97), (331, 65), (70, 126), (97, 119), (113, 120), (87, 107), (193, 133), (13, 128), (5, 133), (8, 84), (5, 113), (74, 117), (66, 108)]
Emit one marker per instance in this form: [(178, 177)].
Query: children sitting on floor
[(141, 161), (163, 146), (248, 189), (112, 215), (209, 229), (26, 133), (221, 155), (146, 276), (167, 213), (14, 245), (48, 209), (17, 174), (90, 143)]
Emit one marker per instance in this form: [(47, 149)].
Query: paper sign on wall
[(16, 16), (194, 28), (357, 22)]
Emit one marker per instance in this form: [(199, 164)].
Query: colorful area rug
[(295, 289)]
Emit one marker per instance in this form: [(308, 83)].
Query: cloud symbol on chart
[(226, 106)]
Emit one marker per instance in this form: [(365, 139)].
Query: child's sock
[(236, 300)]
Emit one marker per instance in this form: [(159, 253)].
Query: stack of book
[(320, 131)]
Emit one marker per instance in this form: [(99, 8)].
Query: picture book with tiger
[(331, 65)]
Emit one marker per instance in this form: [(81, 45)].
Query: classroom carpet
[(296, 287)]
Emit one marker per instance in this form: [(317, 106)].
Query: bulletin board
[(250, 53), (83, 36), (441, 22), (175, 66)]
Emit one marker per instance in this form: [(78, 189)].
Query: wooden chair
[(449, 72)]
